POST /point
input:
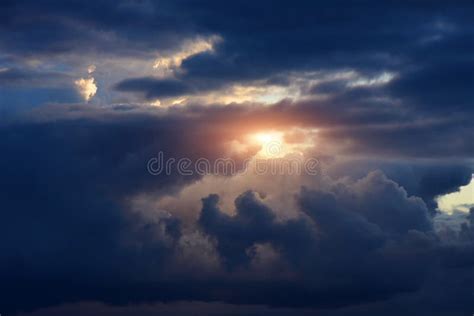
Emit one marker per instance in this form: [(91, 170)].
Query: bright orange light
[(276, 144), (264, 138)]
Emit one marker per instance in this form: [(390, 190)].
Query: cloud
[(167, 64), (81, 215), (27, 77), (24, 88), (155, 88), (461, 200), (91, 69), (337, 238), (82, 230), (83, 221), (86, 87)]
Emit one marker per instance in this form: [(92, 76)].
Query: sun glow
[(277, 144), (264, 138)]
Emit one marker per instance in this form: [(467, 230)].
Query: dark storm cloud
[(427, 44), (347, 246), (67, 233), (425, 179), (254, 223), (153, 88), (363, 126), (310, 35), (22, 77), (24, 88), (68, 236), (109, 146), (445, 85), (58, 27), (366, 36)]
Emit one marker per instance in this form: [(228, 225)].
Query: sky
[(204, 157)]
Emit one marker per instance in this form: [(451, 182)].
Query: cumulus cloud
[(96, 168), (83, 220), (332, 236), (86, 87)]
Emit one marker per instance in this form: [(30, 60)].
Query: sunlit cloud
[(461, 200), (381, 79), (91, 69), (250, 93), (86, 87), (167, 63), (263, 94), (350, 78)]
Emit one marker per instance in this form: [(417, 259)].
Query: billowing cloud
[(86, 87), (383, 231), (378, 95)]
